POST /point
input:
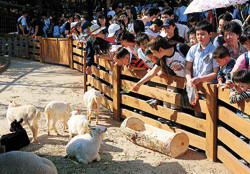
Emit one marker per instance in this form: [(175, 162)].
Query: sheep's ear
[(90, 127), (21, 120), (15, 121)]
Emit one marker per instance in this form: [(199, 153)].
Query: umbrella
[(205, 5)]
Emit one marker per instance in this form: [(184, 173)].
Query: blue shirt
[(203, 63), (180, 12), (226, 69)]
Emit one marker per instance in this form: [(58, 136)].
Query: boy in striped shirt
[(124, 57)]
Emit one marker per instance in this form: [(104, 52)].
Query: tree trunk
[(171, 144)]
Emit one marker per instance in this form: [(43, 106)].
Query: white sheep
[(78, 124), (29, 113), (25, 162), (57, 110), (92, 100), (84, 147)]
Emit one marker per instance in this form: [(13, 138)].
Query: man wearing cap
[(95, 31), (154, 29), (113, 28), (171, 31)]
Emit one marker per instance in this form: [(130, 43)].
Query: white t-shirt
[(145, 58), (151, 34)]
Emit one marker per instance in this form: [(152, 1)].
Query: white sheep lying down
[(92, 100), (78, 124), (57, 110), (86, 148), (24, 163), (29, 113)]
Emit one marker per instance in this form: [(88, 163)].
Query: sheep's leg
[(89, 115), (64, 125), (54, 126), (48, 123), (98, 158), (34, 131), (70, 134), (97, 115), (79, 159)]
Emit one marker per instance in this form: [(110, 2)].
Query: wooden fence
[(217, 132)]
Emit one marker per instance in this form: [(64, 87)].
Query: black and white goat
[(17, 139)]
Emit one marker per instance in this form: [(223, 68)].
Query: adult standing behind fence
[(22, 27), (37, 25)]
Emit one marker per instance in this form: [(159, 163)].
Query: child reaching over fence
[(124, 57), (171, 59)]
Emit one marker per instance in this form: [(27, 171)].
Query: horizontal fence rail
[(218, 130)]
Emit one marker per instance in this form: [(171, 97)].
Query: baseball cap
[(168, 22), (95, 29), (112, 29)]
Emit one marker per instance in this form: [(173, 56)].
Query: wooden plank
[(100, 86), (116, 92), (231, 162), (234, 143), (235, 121), (70, 53), (34, 50), (163, 95), (211, 122), (104, 63), (78, 59), (243, 105), (77, 51), (178, 117), (102, 74), (36, 57), (84, 72), (194, 140), (34, 44), (78, 67)]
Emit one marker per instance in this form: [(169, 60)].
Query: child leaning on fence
[(222, 56), (241, 81)]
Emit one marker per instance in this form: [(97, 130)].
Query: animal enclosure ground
[(30, 82)]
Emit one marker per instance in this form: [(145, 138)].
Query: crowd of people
[(161, 39)]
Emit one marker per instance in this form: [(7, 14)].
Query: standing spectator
[(95, 31), (22, 26), (182, 29), (85, 23), (102, 21), (138, 26), (112, 31), (47, 23), (37, 25), (154, 29), (223, 18), (200, 65), (56, 30), (180, 13), (124, 16), (171, 31), (149, 16), (192, 37), (70, 19), (231, 32)]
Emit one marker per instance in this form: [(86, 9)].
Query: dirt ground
[(30, 82)]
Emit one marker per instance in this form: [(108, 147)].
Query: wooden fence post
[(84, 71), (41, 48), (15, 46), (211, 122), (116, 92), (70, 44), (4, 46), (9, 47)]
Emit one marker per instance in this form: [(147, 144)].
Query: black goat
[(17, 139)]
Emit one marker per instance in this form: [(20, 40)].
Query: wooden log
[(169, 143)]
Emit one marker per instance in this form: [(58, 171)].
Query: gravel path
[(30, 82)]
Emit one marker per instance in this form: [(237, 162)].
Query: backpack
[(247, 61)]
